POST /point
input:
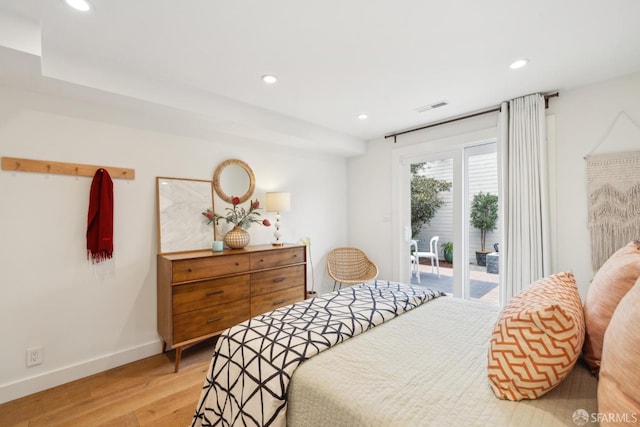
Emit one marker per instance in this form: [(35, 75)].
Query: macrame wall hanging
[(613, 185)]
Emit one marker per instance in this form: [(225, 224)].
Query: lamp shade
[(278, 202)]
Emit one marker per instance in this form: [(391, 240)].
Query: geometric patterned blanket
[(253, 362)]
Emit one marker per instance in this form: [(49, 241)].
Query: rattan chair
[(350, 266)]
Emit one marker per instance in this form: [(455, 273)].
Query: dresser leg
[(178, 355), (164, 346)]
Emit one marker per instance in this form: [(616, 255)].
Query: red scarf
[(100, 218)]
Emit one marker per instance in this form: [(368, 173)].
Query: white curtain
[(524, 189)]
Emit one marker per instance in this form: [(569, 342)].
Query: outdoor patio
[(484, 286)]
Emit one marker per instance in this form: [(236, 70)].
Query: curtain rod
[(466, 116)]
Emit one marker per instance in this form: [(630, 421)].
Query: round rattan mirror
[(234, 178)]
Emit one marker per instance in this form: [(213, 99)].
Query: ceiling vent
[(431, 106)]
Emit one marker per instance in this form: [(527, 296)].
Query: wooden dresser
[(202, 293)]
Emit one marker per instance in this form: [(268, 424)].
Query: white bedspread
[(248, 377), (425, 368)]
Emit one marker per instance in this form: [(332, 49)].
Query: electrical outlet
[(34, 356)]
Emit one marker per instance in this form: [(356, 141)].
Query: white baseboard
[(26, 386)]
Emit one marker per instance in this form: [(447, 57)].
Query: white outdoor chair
[(432, 254)]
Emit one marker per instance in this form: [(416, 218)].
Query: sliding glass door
[(481, 218), (454, 198), (432, 226)]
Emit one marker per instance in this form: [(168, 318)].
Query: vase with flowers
[(241, 218)]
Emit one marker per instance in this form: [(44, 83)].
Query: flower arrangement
[(238, 215)]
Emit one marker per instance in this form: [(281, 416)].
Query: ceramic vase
[(237, 238)]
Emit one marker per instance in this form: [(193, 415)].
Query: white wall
[(375, 222), (583, 117), (92, 317), (584, 120), (369, 208)]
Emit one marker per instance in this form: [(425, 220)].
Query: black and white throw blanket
[(253, 362)]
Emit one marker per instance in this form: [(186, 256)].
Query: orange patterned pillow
[(612, 281), (537, 339), (619, 380)]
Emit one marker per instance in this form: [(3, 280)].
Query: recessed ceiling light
[(518, 64), (269, 79), (363, 116), (81, 5)]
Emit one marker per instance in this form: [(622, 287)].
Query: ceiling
[(334, 59)]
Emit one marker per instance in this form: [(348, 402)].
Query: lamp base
[(277, 244)]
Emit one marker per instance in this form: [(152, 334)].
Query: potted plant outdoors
[(447, 250), (484, 216)]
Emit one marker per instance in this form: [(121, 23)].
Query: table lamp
[(278, 202)]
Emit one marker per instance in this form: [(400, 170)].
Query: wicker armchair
[(350, 266)]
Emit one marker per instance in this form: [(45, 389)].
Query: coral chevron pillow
[(619, 380), (612, 281), (537, 339)]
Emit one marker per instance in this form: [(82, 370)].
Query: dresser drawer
[(195, 324), (267, 302), (264, 282), (277, 258), (202, 293), (203, 268), (193, 296)]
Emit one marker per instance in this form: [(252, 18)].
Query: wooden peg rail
[(62, 168)]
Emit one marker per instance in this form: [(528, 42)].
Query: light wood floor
[(142, 393)]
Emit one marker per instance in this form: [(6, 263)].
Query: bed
[(425, 368), (419, 359)]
